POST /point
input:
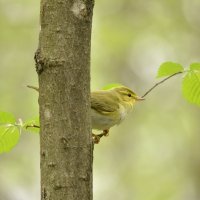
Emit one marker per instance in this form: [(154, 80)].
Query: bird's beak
[(137, 98)]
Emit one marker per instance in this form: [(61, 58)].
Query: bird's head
[(126, 95)]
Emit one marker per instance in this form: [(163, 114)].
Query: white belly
[(103, 122)]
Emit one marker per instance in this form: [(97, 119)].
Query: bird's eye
[(129, 95)]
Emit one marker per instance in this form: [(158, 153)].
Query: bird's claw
[(96, 138), (106, 132)]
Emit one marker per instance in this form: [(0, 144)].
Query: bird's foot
[(96, 138), (106, 132)]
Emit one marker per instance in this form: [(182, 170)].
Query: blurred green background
[(155, 153)]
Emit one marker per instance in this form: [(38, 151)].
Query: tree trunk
[(63, 66)]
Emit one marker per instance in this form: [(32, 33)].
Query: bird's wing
[(103, 103)]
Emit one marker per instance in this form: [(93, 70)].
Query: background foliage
[(154, 154)]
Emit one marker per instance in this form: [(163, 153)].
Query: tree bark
[(63, 67)]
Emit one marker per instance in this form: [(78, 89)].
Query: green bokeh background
[(155, 153)]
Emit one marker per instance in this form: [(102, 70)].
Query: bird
[(110, 107)]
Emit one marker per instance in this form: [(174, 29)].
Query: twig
[(148, 91), (33, 87), (32, 126)]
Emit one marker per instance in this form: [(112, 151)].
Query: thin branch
[(32, 126), (33, 87), (148, 91)]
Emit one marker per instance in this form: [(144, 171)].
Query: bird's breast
[(124, 110)]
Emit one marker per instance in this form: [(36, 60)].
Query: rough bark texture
[(63, 66)]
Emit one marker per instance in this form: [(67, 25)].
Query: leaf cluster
[(11, 129), (190, 80)]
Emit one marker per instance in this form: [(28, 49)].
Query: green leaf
[(9, 137), (32, 125), (112, 85), (195, 66), (191, 87), (6, 118), (169, 68)]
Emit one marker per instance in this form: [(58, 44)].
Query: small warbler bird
[(110, 107)]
